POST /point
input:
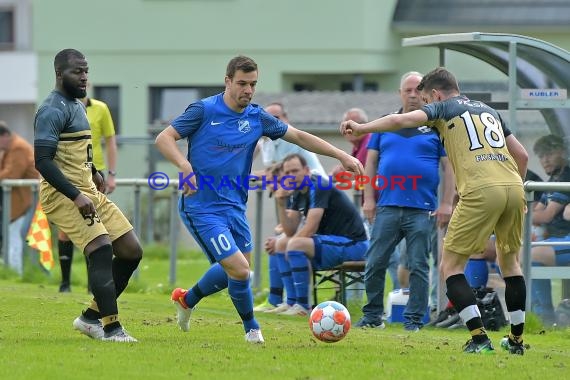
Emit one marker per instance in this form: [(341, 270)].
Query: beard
[(73, 91)]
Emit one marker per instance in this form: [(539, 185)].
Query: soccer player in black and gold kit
[(489, 164), (71, 200)]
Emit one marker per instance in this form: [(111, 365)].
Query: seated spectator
[(273, 152), (549, 212), (275, 297), (17, 162), (333, 231), (566, 214)]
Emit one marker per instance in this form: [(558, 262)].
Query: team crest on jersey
[(243, 126), (424, 129)]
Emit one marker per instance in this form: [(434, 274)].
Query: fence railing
[(529, 271), (136, 183)]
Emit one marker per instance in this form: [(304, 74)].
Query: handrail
[(529, 271), (7, 185), (529, 186)]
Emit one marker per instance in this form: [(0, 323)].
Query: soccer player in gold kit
[(489, 165), (71, 198)]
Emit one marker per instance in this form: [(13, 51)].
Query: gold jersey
[(62, 123), (475, 141)]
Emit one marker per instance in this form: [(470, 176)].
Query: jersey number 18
[(491, 130)]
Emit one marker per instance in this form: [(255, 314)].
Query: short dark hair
[(439, 79), (61, 60), (547, 144), (241, 62), (291, 156), (4, 130)]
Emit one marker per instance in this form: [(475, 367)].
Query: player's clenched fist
[(350, 127)]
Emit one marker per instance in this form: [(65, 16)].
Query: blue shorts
[(332, 250), (219, 235), (561, 252)]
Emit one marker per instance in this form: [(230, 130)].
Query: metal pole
[(527, 259), (258, 231), (173, 233), (137, 210), (6, 211), (513, 86), (149, 236), (137, 219)]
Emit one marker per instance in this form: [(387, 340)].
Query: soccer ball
[(329, 321)]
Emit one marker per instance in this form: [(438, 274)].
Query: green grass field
[(38, 342)]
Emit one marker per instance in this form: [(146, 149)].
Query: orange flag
[(39, 237)]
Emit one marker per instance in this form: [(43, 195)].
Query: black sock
[(461, 295), (65, 250), (87, 267), (122, 272), (515, 299), (111, 326), (91, 314), (101, 280)]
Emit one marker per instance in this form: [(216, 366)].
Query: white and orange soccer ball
[(329, 321)]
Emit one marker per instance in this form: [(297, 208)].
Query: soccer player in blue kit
[(222, 132)]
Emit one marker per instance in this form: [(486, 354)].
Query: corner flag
[(39, 237)]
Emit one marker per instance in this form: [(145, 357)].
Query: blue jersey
[(558, 226), (220, 148), (340, 218), (408, 167)]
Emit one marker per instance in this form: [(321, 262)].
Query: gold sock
[(94, 306), (109, 319), (516, 339), (478, 331)]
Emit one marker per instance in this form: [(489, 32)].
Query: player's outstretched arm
[(317, 145), (388, 123)]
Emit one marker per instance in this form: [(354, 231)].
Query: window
[(111, 96), (367, 86), (6, 29), (298, 87), (166, 103), (370, 86)]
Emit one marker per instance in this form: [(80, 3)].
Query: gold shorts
[(496, 209), (61, 211)]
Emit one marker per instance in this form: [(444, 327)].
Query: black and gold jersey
[(475, 141), (62, 123)]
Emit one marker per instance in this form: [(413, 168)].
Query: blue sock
[(214, 280), (542, 296), (275, 283), (242, 297), (285, 271), (477, 272), (300, 271)]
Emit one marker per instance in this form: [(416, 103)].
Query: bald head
[(358, 115), (355, 114), (409, 94)]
